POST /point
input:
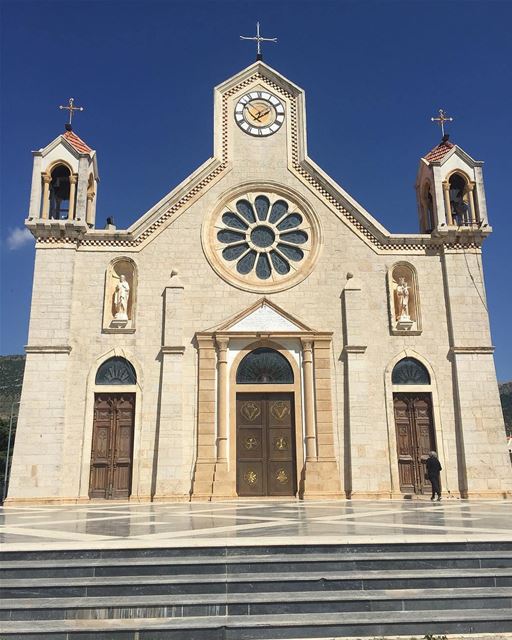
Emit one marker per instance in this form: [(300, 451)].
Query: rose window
[(262, 240)]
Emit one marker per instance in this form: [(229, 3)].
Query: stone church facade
[(257, 333)]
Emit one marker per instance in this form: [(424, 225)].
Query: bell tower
[(64, 184), (450, 191)]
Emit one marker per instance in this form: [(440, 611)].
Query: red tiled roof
[(76, 142), (439, 152)]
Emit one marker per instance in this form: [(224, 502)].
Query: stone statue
[(121, 296), (402, 292)]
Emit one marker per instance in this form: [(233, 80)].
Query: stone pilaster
[(362, 478), (202, 485), (224, 481), (170, 431), (322, 476)]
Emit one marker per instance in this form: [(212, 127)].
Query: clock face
[(259, 113)]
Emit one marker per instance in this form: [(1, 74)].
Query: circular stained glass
[(263, 237)]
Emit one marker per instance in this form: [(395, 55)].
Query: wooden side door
[(421, 409), (415, 438), (112, 446), (123, 447)]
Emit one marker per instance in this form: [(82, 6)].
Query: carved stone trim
[(475, 350), (173, 349), (349, 348), (58, 348)]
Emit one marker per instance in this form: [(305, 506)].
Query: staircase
[(242, 593)]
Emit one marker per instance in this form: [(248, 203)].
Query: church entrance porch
[(112, 446), (265, 444), (415, 438)]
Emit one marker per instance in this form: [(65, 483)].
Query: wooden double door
[(415, 438), (265, 444), (112, 446)]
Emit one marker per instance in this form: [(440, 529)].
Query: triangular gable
[(265, 316)]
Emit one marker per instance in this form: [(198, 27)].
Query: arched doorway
[(112, 435), (414, 424), (265, 425)]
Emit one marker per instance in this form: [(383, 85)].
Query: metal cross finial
[(442, 119), (71, 109), (259, 39)]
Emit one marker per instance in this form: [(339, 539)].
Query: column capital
[(73, 178), (470, 186), (46, 178), (222, 342), (307, 343), (205, 343), (446, 185)]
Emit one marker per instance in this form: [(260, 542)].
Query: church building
[(257, 333)]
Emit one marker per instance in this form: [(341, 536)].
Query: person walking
[(434, 474)]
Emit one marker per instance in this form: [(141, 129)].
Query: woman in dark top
[(434, 474)]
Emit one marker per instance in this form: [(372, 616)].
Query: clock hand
[(260, 114), (251, 112)]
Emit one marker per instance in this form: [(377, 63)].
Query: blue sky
[(374, 73)]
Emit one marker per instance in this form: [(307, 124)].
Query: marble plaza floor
[(248, 522)]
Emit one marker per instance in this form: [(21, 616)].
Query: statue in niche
[(121, 297), (402, 292)]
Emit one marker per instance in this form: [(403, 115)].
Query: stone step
[(266, 627), (244, 564), (251, 582), (223, 604), (338, 550)]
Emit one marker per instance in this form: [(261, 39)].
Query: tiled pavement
[(245, 522)]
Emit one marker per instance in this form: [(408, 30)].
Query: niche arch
[(120, 296), (404, 299)]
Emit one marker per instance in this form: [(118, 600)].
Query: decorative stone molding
[(473, 350), (173, 349), (62, 348)]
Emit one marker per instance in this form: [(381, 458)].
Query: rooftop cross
[(259, 39), (71, 109), (442, 119)]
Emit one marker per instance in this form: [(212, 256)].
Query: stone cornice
[(354, 348), (47, 348), (474, 350), (173, 349)]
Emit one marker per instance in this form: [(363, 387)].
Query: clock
[(259, 113)]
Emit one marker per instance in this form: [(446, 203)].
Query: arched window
[(410, 371), (116, 370), (459, 203), (60, 187), (264, 366)]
